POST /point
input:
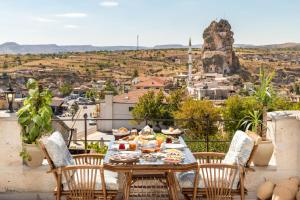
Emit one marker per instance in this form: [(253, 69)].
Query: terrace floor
[(49, 196)]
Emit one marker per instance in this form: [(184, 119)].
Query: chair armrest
[(209, 157)]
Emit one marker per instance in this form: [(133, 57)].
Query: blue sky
[(117, 22)]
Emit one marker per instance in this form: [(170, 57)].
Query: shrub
[(235, 109), (202, 116)]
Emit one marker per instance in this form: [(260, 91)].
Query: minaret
[(190, 64)]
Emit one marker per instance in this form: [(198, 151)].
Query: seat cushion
[(186, 180), (57, 150), (111, 180), (240, 149)]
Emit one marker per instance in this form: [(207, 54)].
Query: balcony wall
[(284, 131), (14, 175)]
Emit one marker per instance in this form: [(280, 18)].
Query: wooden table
[(146, 167)]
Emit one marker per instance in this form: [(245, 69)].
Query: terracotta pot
[(36, 156), (263, 153)]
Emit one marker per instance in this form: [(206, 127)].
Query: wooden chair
[(89, 165), (212, 162), (219, 180), (240, 142)]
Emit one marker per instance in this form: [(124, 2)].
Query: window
[(131, 108)]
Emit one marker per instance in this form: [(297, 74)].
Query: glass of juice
[(132, 146), (159, 140)]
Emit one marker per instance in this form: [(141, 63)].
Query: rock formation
[(218, 55)]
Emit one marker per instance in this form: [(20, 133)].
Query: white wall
[(284, 131)]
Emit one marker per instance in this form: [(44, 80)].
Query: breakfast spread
[(151, 147)]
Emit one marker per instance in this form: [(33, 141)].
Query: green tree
[(199, 116), (35, 116), (135, 73), (92, 94), (235, 109), (65, 89), (110, 87), (150, 106)]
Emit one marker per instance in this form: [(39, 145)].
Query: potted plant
[(35, 120), (264, 95)]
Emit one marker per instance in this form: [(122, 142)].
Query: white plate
[(174, 146), (116, 133), (175, 132)]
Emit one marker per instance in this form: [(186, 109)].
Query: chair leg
[(196, 185)]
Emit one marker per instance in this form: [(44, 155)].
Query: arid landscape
[(120, 66)]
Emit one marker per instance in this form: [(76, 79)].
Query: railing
[(210, 132)]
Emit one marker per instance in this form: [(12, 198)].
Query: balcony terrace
[(19, 181)]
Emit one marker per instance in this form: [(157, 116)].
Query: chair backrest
[(82, 180), (219, 179), (240, 149)]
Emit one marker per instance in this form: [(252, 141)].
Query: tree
[(235, 109), (199, 116), (135, 73), (150, 107), (109, 87), (92, 94), (65, 89), (175, 99)]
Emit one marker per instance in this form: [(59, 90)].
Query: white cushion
[(57, 150), (111, 180), (187, 179), (240, 149)]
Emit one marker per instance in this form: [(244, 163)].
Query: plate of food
[(124, 157), (150, 150), (171, 131), (149, 157), (146, 131), (173, 156), (121, 132)]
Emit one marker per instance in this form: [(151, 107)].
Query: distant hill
[(290, 45), (15, 48)]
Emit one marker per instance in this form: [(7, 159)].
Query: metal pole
[(85, 132), (207, 133)]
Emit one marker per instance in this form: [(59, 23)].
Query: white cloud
[(71, 26), (72, 15), (43, 20), (109, 3)]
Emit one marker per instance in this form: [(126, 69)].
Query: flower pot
[(36, 156), (263, 153)]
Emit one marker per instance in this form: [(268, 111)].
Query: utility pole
[(137, 42)]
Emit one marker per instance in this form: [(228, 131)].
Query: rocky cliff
[(218, 55)]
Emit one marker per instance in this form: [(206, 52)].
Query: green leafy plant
[(251, 121), (264, 94), (102, 149), (25, 155), (35, 115)]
